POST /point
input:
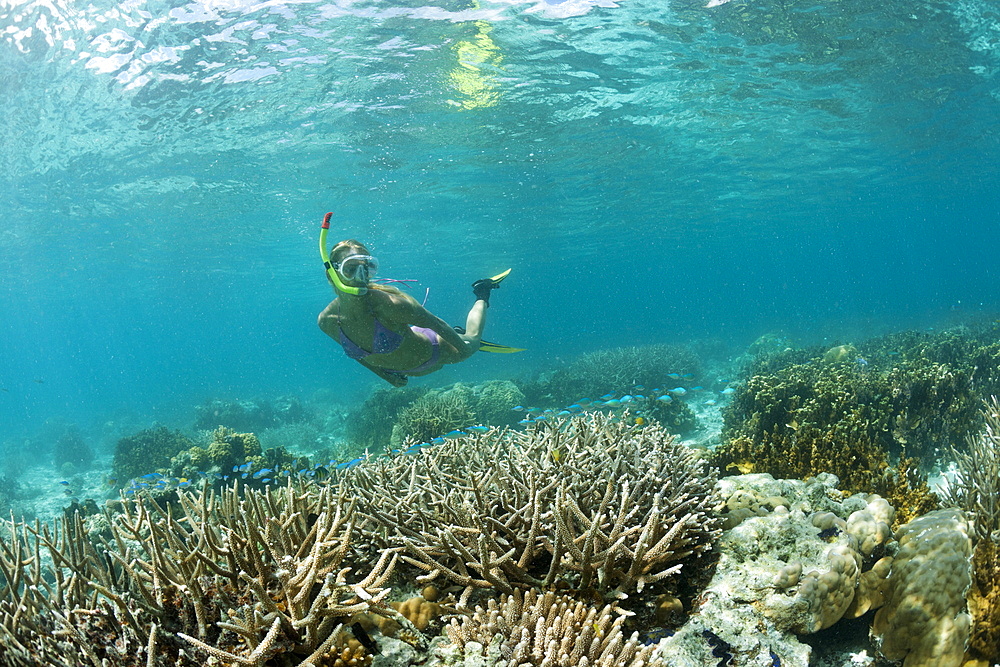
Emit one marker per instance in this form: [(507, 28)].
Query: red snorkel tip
[(326, 221)]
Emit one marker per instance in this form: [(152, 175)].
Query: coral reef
[(797, 557), (433, 414), (924, 621), (837, 417), (976, 490), (71, 453), (547, 629), (494, 402), (592, 504), (228, 448), (370, 426), (237, 577), (616, 369), (146, 450), (247, 415)]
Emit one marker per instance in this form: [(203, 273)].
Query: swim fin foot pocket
[(482, 288)]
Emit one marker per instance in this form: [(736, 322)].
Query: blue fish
[(666, 398), (518, 408), (526, 421), (261, 473), (478, 429), (613, 403), (727, 391), (678, 391), (607, 396), (64, 483), (674, 376), (451, 435)]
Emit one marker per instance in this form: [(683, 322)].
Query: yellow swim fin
[(487, 346), (500, 276)]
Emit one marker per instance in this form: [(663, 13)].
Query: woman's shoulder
[(393, 306)]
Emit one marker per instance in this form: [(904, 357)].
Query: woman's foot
[(482, 288)]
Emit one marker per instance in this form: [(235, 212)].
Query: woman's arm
[(392, 377), (413, 314)]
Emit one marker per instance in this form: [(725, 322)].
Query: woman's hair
[(346, 249), (350, 247)]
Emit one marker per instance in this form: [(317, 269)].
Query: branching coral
[(591, 503), (549, 629), (820, 417), (242, 577)]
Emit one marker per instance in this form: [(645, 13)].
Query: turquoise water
[(652, 171)]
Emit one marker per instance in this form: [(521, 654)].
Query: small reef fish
[(678, 391), (350, 464), (727, 391), (608, 396), (64, 483), (452, 435), (478, 429), (666, 398), (674, 376)]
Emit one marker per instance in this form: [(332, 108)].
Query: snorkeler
[(387, 331)]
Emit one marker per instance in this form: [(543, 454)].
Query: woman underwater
[(387, 331)]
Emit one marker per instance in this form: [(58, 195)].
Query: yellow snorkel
[(331, 272)]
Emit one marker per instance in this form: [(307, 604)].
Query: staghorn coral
[(590, 503), (241, 577), (548, 629)]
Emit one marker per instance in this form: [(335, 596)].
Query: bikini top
[(384, 341)]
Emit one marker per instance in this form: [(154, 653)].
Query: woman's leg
[(475, 323)]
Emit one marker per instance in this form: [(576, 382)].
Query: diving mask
[(357, 268)]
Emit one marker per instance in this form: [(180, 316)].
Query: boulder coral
[(146, 451)]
